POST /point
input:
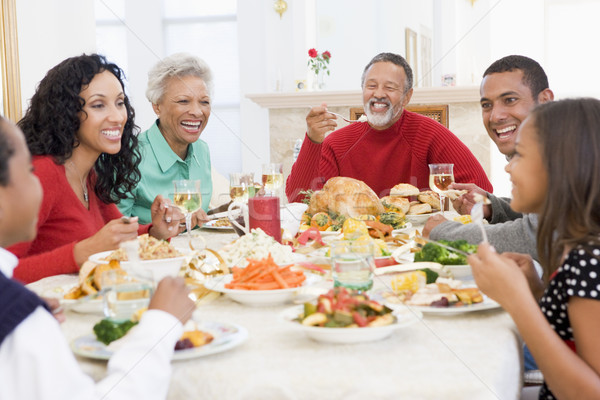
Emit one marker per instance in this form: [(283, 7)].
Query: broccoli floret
[(434, 253), (108, 331), (431, 252), (430, 274), (394, 219)]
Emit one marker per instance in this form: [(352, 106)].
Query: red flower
[(312, 53), (326, 55)]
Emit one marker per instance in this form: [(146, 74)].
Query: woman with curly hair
[(79, 127)]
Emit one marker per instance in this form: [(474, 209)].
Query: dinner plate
[(420, 219), (326, 233), (404, 318), (57, 286), (211, 225), (487, 304), (460, 272), (259, 297), (226, 336)]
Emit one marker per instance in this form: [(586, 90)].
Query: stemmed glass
[(188, 198), (272, 179), (440, 177)]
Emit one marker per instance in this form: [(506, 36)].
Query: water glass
[(125, 295), (352, 264)]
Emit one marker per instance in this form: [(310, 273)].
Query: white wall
[(48, 32)]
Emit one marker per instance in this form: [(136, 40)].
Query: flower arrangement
[(319, 62)]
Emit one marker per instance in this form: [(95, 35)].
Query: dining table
[(470, 355)]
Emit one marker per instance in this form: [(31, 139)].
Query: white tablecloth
[(466, 356)]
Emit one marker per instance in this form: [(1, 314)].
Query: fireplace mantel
[(436, 95)]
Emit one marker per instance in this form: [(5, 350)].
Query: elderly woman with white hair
[(179, 88)]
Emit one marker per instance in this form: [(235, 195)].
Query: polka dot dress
[(578, 276)]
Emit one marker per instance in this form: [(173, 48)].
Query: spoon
[(477, 217)]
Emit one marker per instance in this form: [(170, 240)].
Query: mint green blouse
[(159, 167)]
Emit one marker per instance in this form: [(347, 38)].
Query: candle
[(264, 213)]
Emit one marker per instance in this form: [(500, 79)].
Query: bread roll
[(404, 189), (395, 202), (431, 198), (421, 208), (345, 196)]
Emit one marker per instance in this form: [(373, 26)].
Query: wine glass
[(272, 179), (240, 186), (188, 199), (440, 177)]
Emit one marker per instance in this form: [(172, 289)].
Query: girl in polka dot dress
[(555, 173)]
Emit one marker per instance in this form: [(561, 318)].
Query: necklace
[(83, 185)]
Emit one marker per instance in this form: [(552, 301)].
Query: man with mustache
[(394, 146), (511, 87)]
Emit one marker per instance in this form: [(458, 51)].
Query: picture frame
[(9, 62), (411, 53), (426, 66)]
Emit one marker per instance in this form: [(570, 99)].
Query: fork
[(477, 217), (342, 117)]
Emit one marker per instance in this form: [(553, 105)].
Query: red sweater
[(63, 221), (382, 159)]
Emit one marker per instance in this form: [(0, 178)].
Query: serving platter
[(404, 318), (226, 336), (259, 297)]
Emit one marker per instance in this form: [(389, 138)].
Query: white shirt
[(36, 362)]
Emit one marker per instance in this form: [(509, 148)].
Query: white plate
[(258, 297), (211, 225), (226, 336), (460, 272), (57, 286), (408, 267), (326, 233), (407, 227), (420, 219), (487, 304), (404, 317)]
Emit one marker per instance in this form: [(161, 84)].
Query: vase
[(318, 81)]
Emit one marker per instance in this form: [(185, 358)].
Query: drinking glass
[(187, 198), (272, 179), (352, 264), (125, 294), (440, 177), (241, 186)]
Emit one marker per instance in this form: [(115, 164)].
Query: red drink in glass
[(263, 213)]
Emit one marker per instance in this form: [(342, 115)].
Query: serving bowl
[(404, 318)]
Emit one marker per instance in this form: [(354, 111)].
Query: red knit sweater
[(382, 159), (62, 222)]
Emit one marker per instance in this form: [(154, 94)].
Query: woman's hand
[(172, 296), (499, 276), (109, 237), (199, 218), (165, 218)]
